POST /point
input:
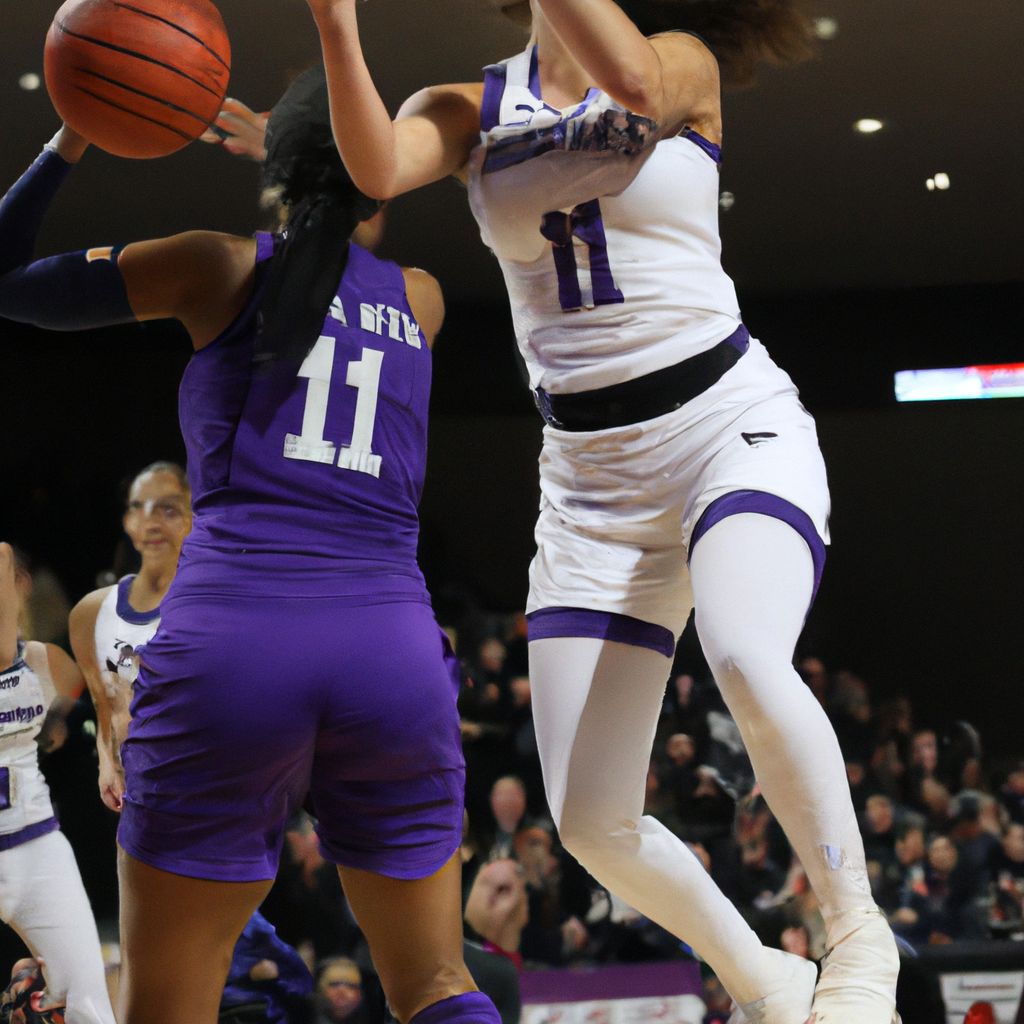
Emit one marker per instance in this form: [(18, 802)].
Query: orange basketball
[(140, 78)]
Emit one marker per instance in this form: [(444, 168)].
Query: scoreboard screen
[(1005, 380)]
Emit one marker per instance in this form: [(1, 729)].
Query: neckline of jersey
[(127, 612)]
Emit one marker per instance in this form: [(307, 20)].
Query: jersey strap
[(127, 612)]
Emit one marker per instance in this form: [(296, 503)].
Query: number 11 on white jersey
[(364, 376)]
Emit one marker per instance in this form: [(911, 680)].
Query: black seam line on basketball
[(134, 113), (139, 92), (178, 28), (141, 56)]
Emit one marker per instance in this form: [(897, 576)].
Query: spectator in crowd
[(924, 763), (339, 993), (943, 912), (975, 846), (508, 808), (1011, 794), (498, 908), (812, 670), (1006, 864)]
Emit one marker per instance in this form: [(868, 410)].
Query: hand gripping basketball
[(138, 78)]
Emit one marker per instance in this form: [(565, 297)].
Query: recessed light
[(30, 82), (869, 125), (940, 182), (726, 201), (826, 28)]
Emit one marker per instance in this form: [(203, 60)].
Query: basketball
[(139, 79)]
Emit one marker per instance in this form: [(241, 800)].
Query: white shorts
[(619, 506)]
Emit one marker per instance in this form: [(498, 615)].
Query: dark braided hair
[(741, 33), (303, 169)]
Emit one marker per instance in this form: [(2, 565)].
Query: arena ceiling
[(818, 205)]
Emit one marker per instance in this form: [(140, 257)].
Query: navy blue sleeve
[(62, 293)]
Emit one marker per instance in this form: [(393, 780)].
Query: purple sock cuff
[(468, 1008), (624, 629), (764, 504)]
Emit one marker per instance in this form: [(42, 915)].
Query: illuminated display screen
[(1005, 380)]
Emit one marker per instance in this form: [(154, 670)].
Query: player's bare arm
[(109, 693), (671, 78), (432, 136)]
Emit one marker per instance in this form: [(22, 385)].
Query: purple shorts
[(246, 703)]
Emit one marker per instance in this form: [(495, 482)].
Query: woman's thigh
[(177, 938)]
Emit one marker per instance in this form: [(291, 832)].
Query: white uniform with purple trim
[(610, 250), (41, 892), (120, 631)]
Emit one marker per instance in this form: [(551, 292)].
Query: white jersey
[(608, 241), (26, 692), (121, 631)]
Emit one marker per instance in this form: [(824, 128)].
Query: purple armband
[(23, 208), (72, 292), (63, 293)]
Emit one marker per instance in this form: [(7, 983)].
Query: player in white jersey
[(679, 469), (41, 893), (109, 625)]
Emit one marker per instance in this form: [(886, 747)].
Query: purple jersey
[(311, 475)]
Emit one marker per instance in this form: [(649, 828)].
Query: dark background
[(848, 270)]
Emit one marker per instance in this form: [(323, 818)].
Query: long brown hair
[(741, 33)]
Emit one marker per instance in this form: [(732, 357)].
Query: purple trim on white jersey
[(763, 503), (25, 835), (713, 151), (127, 612), (494, 90), (546, 623)]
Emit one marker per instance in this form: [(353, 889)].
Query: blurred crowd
[(943, 830)]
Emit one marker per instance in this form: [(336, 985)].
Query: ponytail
[(303, 167)]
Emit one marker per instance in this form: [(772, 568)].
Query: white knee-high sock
[(752, 580), (596, 707)]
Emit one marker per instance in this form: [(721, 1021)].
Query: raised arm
[(200, 277), (432, 137), (671, 78)]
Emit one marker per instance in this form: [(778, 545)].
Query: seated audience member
[(924, 763), (1011, 794), (340, 996), (912, 855), (944, 911), (812, 671), (975, 846), (796, 940), (508, 808), (268, 980), (552, 935), (759, 878), (1006, 865), (498, 909), (850, 712)]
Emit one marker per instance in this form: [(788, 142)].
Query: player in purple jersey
[(297, 652), (679, 470)]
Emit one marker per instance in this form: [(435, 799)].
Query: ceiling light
[(868, 125), (826, 28), (726, 201), (940, 181), (30, 82)]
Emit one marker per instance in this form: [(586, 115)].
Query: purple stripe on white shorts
[(763, 503), (624, 629), (494, 89)]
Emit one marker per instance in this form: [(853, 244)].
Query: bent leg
[(596, 708), (177, 938), (49, 909), (752, 579), (414, 930)]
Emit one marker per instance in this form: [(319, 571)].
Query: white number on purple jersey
[(581, 287), (364, 376)]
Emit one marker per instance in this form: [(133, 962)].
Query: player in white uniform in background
[(41, 893), (679, 468), (109, 625)]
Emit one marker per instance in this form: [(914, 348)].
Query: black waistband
[(643, 398)]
